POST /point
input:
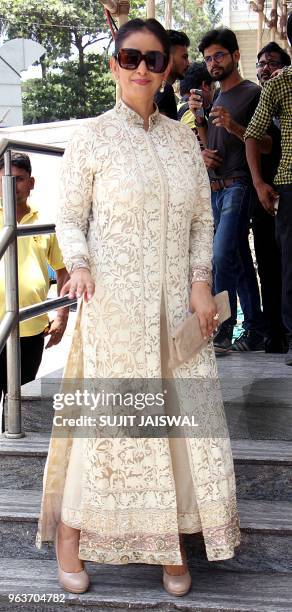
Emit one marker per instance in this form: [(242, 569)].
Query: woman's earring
[(162, 86)]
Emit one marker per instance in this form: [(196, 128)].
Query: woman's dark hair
[(273, 47), (222, 36), (138, 25), (196, 74)]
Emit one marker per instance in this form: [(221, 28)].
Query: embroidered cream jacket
[(135, 208)]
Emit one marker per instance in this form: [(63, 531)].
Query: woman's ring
[(216, 317)]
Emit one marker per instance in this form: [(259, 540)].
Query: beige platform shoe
[(178, 582), (74, 582), (177, 585)]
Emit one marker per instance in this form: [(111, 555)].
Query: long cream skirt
[(187, 509)]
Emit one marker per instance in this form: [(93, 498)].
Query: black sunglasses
[(129, 59)]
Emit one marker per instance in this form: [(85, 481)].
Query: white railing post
[(12, 305), (9, 325)]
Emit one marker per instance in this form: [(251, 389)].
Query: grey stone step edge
[(275, 452), (255, 515), (136, 587)]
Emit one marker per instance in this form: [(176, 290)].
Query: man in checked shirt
[(276, 101)]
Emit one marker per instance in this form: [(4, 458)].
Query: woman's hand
[(203, 303), (80, 283)]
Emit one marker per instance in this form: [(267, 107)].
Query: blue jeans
[(233, 267)]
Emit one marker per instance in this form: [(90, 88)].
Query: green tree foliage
[(59, 25), (194, 19), (59, 95), (214, 11), (66, 28)]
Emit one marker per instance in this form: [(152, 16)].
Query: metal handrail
[(30, 147), (7, 234), (28, 312), (6, 326), (29, 229), (9, 326)]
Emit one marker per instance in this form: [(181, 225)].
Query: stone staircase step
[(258, 421), (262, 467), (257, 394), (256, 389), (139, 588), (257, 397), (266, 533), (19, 505), (274, 452), (22, 461), (33, 444), (252, 366), (272, 517), (36, 414)]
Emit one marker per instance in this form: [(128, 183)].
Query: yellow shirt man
[(34, 254)]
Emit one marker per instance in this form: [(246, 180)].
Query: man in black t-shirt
[(231, 188), (165, 99)]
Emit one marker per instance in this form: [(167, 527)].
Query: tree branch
[(91, 42)]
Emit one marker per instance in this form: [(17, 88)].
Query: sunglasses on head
[(129, 59)]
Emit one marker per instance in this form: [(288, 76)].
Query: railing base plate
[(14, 435)]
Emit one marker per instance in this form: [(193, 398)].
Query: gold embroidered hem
[(187, 522)]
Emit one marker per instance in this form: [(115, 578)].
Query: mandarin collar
[(133, 118)]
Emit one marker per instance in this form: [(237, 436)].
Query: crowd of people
[(244, 156)]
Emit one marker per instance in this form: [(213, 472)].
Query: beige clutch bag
[(187, 339)]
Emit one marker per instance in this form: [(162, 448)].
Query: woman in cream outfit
[(135, 223)]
